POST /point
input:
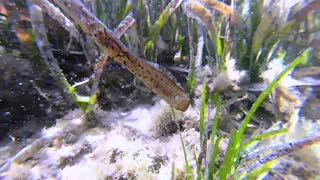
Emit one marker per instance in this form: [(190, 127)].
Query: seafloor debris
[(121, 145)]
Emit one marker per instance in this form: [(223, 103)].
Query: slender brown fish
[(160, 84)]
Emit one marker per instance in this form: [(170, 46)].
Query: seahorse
[(159, 83)]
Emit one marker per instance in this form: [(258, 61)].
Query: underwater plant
[(200, 56)]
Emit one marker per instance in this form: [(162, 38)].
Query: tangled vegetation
[(182, 50)]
